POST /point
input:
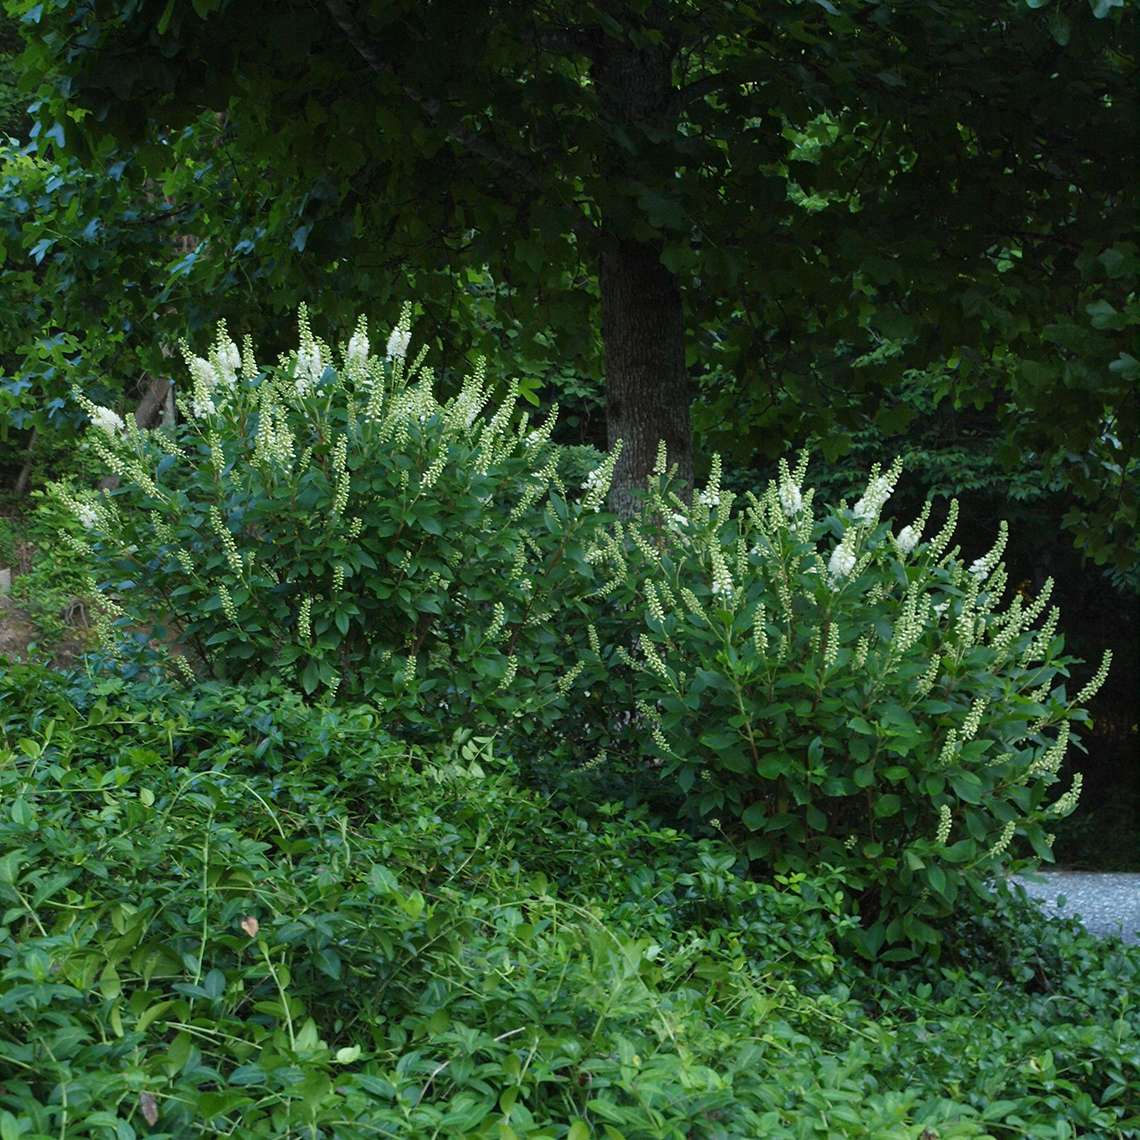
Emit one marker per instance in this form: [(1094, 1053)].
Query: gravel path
[(1106, 902)]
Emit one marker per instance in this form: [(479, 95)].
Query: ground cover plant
[(228, 914)]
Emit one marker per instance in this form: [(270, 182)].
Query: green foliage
[(826, 692), (224, 910), (843, 221), (345, 531), (818, 689), (54, 590)]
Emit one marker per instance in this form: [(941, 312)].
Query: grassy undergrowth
[(227, 913)]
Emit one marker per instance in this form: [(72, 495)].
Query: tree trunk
[(647, 391), (151, 406), (23, 480), (643, 327)]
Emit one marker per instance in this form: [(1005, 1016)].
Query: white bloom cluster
[(709, 499), (107, 421), (308, 369), (227, 602), (201, 407), (692, 603), (399, 339), (926, 682), (877, 492), (1092, 687), (949, 749), (791, 499), (653, 603), (721, 579), (842, 561), (906, 540), (229, 546), (87, 514), (973, 719), (356, 356), (229, 361), (654, 663), (304, 620), (597, 484), (202, 373), (831, 646), (941, 541), (981, 568), (221, 369), (760, 632)]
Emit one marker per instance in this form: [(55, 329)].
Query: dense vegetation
[(387, 749), (468, 843)]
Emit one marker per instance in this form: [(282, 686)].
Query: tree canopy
[(787, 208)]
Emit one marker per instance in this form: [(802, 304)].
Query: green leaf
[(755, 816), (959, 852), (164, 19), (381, 881), (888, 805), (412, 904), (967, 786)]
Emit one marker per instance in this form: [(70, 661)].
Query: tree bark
[(643, 326), (23, 480), (151, 406), (647, 390)]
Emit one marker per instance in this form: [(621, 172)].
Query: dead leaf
[(149, 1108), (251, 926)]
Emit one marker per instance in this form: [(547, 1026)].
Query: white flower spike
[(398, 341), (107, 421)]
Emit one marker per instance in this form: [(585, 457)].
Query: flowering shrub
[(826, 690), (329, 521), (818, 687)]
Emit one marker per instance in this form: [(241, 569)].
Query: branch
[(567, 41), (698, 89)]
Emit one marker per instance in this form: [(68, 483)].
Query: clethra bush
[(329, 522), (820, 687), (824, 688)]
